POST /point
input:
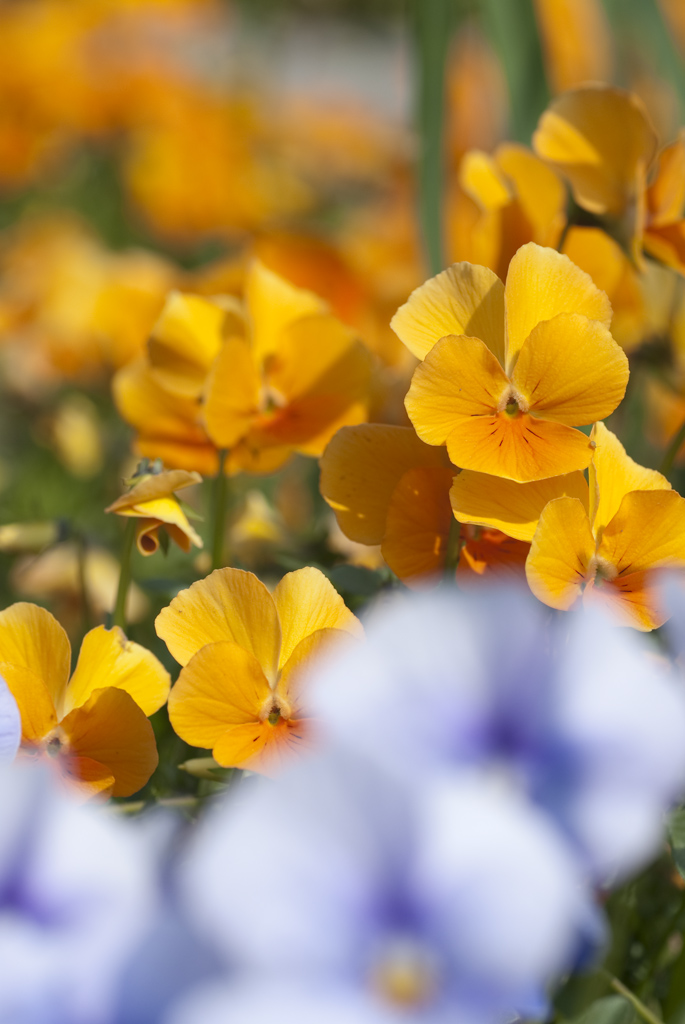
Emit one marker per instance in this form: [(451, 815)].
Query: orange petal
[(418, 524), (184, 342), (107, 659), (571, 370), (539, 192), (272, 304), (36, 649), (510, 507), (459, 377), (464, 299), (542, 283), (493, 556), (147, 536), (153, 486), (520, 448), (360, 469), (111, 729), (602, 140), (667, 244), (666, 194), (560, 553), (576, 42), (261, 747), (169, 512), (222, 685), (248, 457), (91, 777), (647, 532), (613, 474), (633, 599), (307, 602), (229, 604), (232, 393)]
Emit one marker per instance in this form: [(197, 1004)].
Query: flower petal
[(167, 510), (296, 670), (482, 180), (576, 42), (667, 244), (571, 370), (107, 659), (231, 393), (272, 304), (222, 685), (601, 139), (666, 194), (111, 729), (634, 600), (542, 283), (418, 523), (229, 604), (539, 192), (184, 342), (306, 602), (260, 746), (493, 556), (520, 448), (154, 486), (33, 642), (560, 553), (647, 532), (88, 776), (613, 474), (459, 377), (511, 507), (360, 469), (464, 299)]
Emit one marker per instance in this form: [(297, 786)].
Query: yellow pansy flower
[(606, 550), (507, 373), (601, 139), (153, 503), (94, 724), (243, 652)]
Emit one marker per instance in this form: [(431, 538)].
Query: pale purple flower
[(10, 724), (341, 894), (580, 715)]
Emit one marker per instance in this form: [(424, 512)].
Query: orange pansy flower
[(93, 724), (151, 500), (243, 652), (607, 551), (508, 373)]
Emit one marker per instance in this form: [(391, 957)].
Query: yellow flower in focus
[(244, 652), (508, 373), (504, 201), (153, 503), (94, 724), (607, 551), (601, 139)]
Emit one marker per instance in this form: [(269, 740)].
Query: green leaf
[(609, 1010), (355, 579)]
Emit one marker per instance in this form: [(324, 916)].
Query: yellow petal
[(510, 507), (89, 777), (147, 536), (520, 448), (229, 604), (571, 370), (633, 599), (539, 192), (260, 746), (184, 342), (297, 670), (576, 42), (492, 557), (482, 180), (36, 707), (666, 194), (167, 510), (306, 602), (360, 469), (601, 139), (272, 304), (613, 474), (221, 686), (106, 659), (232, 393), (560, 553), (112, 730), (418, 524), (33, 641), (464, 299), (647, 532), (247, 457), (596, 252), (459, 377), (154, 486), (542, 283)]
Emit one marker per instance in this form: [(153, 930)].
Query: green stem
[(219, 499), (432, 27), (637, 1004), (672, 450), (453, 548), (119, 615), (82, 548)]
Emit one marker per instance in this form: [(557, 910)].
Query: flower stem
[(637, 1004), (453, 549), (672, 450), (219, 499), (432, 20), (119, 615)]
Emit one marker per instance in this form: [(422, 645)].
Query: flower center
[(274, 709), (404, 974), (600, 571)]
